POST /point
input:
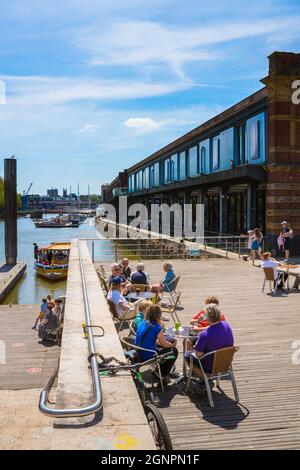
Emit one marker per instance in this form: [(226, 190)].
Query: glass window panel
[(193, 154), (182, 165), (216, 154)]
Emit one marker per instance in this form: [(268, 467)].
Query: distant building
[(52, 192), (103, 189)]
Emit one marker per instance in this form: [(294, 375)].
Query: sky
[(94, 86)]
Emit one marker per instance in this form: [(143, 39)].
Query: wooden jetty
[(266, 328)]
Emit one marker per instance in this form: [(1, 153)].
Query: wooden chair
[(139, 287), (103, 282), (171, 290), (119, 321), (102, 270), (171, 309), (222, 367), (270, 276)]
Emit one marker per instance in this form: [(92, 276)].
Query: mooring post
[(10, 199)]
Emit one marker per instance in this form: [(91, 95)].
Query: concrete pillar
[(10, 199), (251, 206), (223, 210)]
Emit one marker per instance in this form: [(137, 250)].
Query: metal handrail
[(97, 404)]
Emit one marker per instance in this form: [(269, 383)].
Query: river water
[(31, 288)]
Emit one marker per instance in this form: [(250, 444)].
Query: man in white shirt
[(269, 262), (122, 306)]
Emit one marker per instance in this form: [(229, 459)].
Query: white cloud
[(144, 124), (135, 43), (54, 91), (88, 129)]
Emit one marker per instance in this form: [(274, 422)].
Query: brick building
[(244, 163)]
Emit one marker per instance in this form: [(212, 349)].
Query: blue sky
[(93, 86)]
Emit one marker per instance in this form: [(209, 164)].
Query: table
[(185, 333), (287, 267), (133, 296)]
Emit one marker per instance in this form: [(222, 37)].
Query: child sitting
[(199, 321), (140, 316)]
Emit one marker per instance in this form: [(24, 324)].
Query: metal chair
[(222, 367), (129, 315), (171, 308), (270, 276), (171, 290), (128, 345)]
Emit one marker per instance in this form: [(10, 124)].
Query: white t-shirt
[(250, 240), (271, 264), (117, 298)]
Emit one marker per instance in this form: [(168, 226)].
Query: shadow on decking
[(226, 414)]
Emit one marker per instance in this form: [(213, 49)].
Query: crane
[(27, 192)]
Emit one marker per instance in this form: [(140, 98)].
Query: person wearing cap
[(287, 234), (115, 296), (140, 276)]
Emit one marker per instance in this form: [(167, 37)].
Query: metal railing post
[(205, 250), (161, 249), (226, 244), (239, 247), (116, 251), (93, 251)]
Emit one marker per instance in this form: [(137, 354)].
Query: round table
[(184, 333), (141, 295)]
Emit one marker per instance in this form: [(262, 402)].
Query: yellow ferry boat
[(52, 262)]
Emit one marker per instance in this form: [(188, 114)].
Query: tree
[(19, 197)]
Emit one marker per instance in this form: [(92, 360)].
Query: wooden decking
[(28, 363), (265, 328)]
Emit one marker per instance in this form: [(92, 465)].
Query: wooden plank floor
[(28, 363), (265, 328)]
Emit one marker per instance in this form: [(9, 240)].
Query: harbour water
[(31, 288)]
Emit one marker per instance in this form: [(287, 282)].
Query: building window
[(254, 140), (182, 165), (193, 160), (241, 144), (167, 171), (146, 178), (201, 160), (156, 175), (174, 168), (216, 154)]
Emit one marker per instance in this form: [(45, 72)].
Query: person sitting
[(116, 272), (41, 315), (219, 335), (115, 296), (125, 268), (57, 310), (199, 321), (167, 284), (49, 322), (50, 300), (140, 276), (269, 262), (140, 316), (150, 336)]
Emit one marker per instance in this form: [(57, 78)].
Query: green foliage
[(19, 197)]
